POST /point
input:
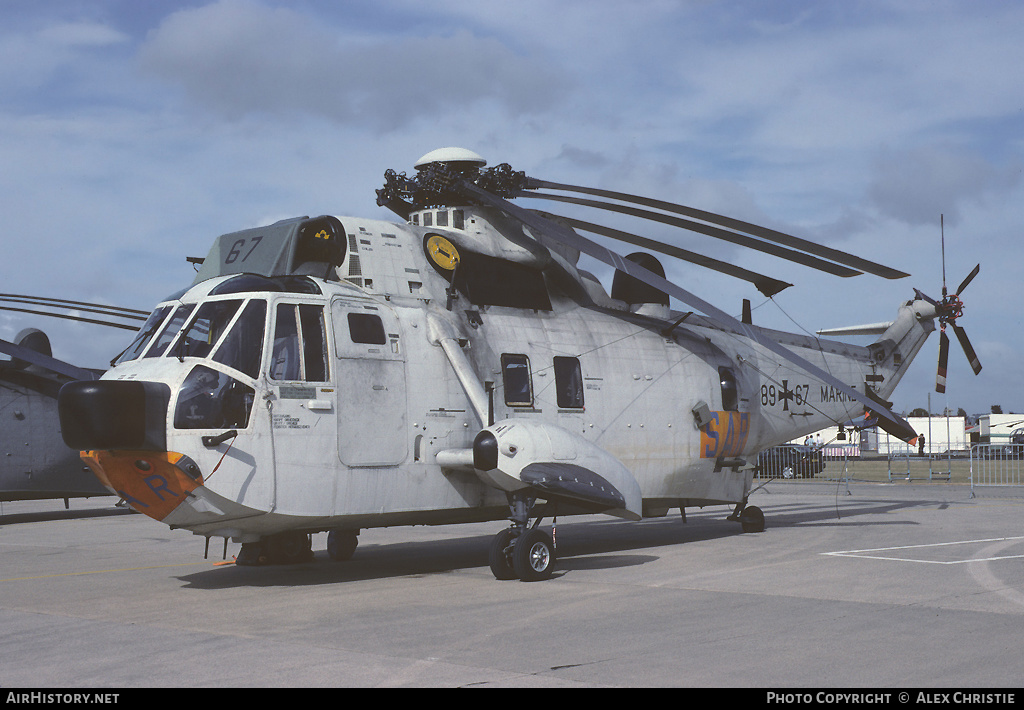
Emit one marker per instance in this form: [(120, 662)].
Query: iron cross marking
[(787, 394)]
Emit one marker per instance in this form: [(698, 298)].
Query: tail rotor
[(949, 309)]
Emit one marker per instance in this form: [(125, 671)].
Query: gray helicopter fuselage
[(356, 402)]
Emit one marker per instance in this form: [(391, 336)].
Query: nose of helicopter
[(120, 426), (152, 482), (114, 414)]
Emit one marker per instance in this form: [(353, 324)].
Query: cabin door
[(372, 426)]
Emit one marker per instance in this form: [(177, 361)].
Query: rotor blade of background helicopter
[(970, 277), (972, 357), (717, 232), (113, 311), (738, 225), (67, 317), (18, 352), (128, 312), (765, 284), (940, 374), (546, 228)]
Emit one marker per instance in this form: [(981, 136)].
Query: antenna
[(942, 231)]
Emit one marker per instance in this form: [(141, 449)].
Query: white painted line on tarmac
[(864, 553)]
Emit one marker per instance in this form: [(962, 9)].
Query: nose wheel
[(519, 552)]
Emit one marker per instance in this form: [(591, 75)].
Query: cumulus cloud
[(238, 57)]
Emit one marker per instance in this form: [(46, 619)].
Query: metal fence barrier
[(828, 464), (907, 467), (996, 465)]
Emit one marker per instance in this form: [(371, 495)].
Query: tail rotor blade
[(970, 277), (972, 357), (940, 376)]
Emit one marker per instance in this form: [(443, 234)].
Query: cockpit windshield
[(144, 335), (242, 348), (213, 332), (170, 330), (205, 329)]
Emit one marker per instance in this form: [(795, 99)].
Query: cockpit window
[(145, 334), (242, 349), (212, 400), (170, 330), (300, 345), (209, 323)]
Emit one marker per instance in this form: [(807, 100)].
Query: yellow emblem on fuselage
[(443, 252)]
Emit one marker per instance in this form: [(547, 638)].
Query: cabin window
[(515, 375), (730, 393), (458, 219), (243, 347), (568, 382), (300, 343), (442, 218), (428, 219), (170, 330), (366, 328)]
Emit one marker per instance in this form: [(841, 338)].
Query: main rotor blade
[(972, 357), (112, 311), (738, 225), (970, 277), (547, 229), (717, 232), (940, 375), (60, 367), (39, 301), (67, 317), (765, 284)]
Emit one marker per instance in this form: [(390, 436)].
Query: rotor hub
[(950, 308)]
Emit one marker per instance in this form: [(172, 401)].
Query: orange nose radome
[(152, 482)]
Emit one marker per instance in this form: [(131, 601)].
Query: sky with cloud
[(133, 133)]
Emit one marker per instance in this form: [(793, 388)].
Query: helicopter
[(332, 374), (36, 464)]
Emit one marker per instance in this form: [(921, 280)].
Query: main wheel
[(500, 555), (341, 544), (752, 519), (288, 548), (533, 557)]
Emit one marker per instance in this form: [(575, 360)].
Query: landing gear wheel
[(752, 519), (288, 548), (500, 555), (341, 544), (533, 557)]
